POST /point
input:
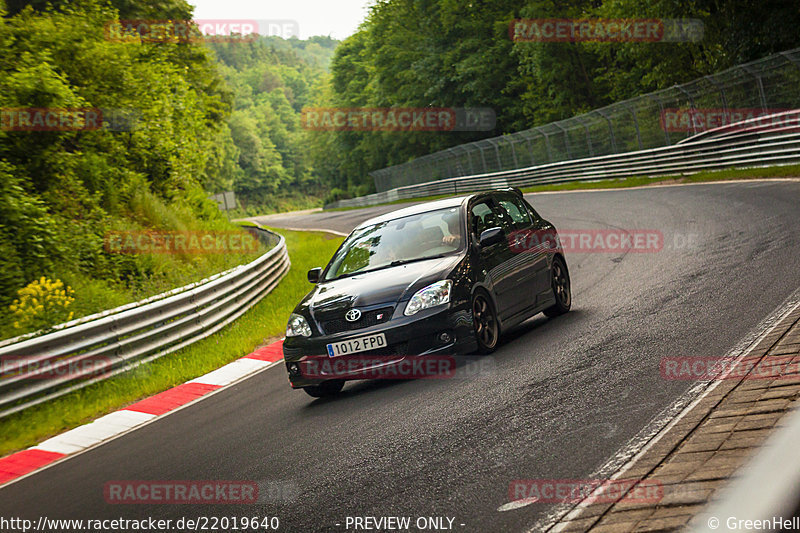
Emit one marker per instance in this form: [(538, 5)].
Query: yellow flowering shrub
[(42, 303)]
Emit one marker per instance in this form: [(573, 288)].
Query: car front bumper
[(308, 363)]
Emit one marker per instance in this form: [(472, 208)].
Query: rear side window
[(482, 218), (515, 209)]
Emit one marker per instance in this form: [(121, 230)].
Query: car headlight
[(435, 294), (297, 326)]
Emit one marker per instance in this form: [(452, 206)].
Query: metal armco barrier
[(654, 120), (745, 144), (95, 348)]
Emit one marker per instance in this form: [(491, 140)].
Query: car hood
[(384, 286)]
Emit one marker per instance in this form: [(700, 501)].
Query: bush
[(40, 304), (336, 194)]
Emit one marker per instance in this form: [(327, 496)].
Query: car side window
[(516, 211), (482, 218)]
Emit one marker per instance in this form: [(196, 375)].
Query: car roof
[(418, 208), (444, 203)]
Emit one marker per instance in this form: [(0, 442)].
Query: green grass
[(636, 181), (265, 322), (142, 274)]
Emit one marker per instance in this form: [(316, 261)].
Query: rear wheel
[(559, 278), (326, 388), (485, 323)]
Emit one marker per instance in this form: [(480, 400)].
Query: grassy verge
[(142, 275), (266, 321), (636, 181)]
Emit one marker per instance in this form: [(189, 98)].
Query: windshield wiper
[(388, 265), (406, 261), (348, 274)]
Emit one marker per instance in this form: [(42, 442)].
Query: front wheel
[(485, 323), (559, 278), (324, 389)]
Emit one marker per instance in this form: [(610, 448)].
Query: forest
[(185, 118)]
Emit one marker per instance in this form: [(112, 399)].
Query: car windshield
[(397, 241)]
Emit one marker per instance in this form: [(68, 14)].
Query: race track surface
[(562, 396)]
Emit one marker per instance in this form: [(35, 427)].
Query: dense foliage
[(272, 80), (440, 53), (62, 191)]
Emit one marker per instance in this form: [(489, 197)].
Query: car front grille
[(401, 348), (368, 318)]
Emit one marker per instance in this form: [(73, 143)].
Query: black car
[(443, 277)]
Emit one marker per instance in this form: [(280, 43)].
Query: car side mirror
[(491, 236), (313, 275)]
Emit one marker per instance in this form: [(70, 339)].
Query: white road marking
[(82, 439), (516, 504), (231, 372), (616, 466)]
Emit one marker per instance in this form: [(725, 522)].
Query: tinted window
[(483, 218), (514, 208)]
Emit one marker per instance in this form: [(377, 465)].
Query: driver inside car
[(453, 239)]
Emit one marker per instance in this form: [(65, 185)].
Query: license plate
[(360, 344)]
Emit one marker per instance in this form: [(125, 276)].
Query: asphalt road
[(562, 396)]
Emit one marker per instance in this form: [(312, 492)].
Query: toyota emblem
[(352, 315)]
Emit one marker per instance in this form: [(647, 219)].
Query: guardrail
[(735, 146), (653, 120), (94, 348)]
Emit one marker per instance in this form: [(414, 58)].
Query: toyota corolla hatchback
[(443, 277)]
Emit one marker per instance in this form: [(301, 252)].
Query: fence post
[(746, 68), (610, 130), (496, 153), (691, 102), (469, 158), (483, 159), (514, 153), (636, 125), (579, 118), (661, 118), (566, 140), (721, 92), (547, 145), (458, 170), (530, 149)]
